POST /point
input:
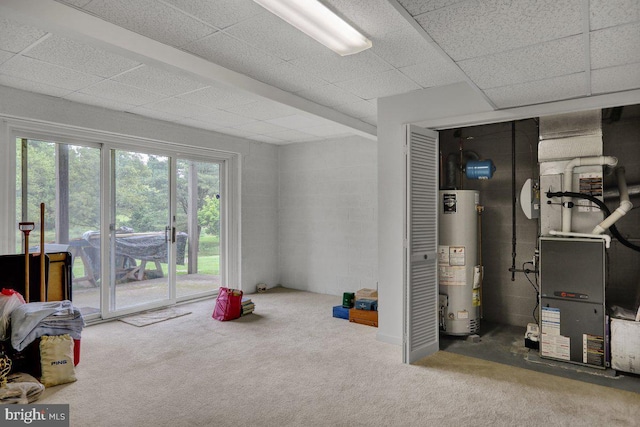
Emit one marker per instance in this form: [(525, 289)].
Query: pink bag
[(228, 304)]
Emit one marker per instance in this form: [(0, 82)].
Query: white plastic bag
[(56, 359), (9, 300)]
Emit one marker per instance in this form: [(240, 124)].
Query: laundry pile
[(36, 319)]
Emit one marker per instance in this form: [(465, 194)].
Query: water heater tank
[(458, 269)]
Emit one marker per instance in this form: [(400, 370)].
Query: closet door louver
[(421, 243)]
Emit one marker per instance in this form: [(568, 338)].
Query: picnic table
[(131, 249)]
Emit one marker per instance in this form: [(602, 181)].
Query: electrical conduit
[(568, 182), (625, 204)]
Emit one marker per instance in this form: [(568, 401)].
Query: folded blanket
[(33, 320)]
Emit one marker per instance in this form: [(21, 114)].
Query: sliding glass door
[(144, 229)]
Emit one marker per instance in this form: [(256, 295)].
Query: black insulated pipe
[(613, 229)]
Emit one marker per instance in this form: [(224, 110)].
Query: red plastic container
[(76, 352)]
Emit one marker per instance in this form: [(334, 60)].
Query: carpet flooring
[(292, 364)]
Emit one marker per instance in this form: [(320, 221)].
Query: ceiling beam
[(77, 25)]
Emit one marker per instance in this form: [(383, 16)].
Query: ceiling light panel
[(320, 23)]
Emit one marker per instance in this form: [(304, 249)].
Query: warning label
[(553, 344), (452, 275), (456, 255), (590, 184)]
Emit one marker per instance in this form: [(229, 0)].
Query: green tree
[(209, 215)]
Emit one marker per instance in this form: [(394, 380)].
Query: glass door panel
[(198, 222), (140, 239), (64, 178)]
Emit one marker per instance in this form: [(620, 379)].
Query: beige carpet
[(292, 364)]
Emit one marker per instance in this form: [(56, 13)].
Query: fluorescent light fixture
[(317, 21)]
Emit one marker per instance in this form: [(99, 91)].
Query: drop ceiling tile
[(30, 86), (297, 121), (199, 124), (218, 95), (77, 3), (267, 139), (481, 27), (608, 13), (4, 56), (223, 118), (15, 36), (232, 53), (159, 81), (262, 110), (334, 68), (329, 95), (327, 131), (83, 98), (219, 13), (286, 77), (548, 90), (417, 7), (378, 85), (372, 17), (615, 46), (80, 57), (292, 135), (236, 132), (358, 109), (404, 48), (272, 34), (435, 73), (614, 79), (121, 93), (537, 62), (154, 114), (260, 127), (45, 73), (178, 107), (152, 19)]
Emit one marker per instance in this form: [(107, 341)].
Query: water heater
[(458, 269)]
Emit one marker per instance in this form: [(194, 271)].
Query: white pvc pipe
[(568, 182), (625, 204), (605, 237)]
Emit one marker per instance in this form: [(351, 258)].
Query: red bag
[(228, 304)]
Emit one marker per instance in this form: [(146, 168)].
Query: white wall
[(258, 167), (260, 216), (328, 215)]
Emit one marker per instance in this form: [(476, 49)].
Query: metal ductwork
[(570, 153)]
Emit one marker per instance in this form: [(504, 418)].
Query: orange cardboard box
[(364, 317)]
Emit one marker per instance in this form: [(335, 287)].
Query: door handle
[(173, 234)]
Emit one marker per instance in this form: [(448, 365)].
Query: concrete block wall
[(260, 216), (328, 215), (621, 139)]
